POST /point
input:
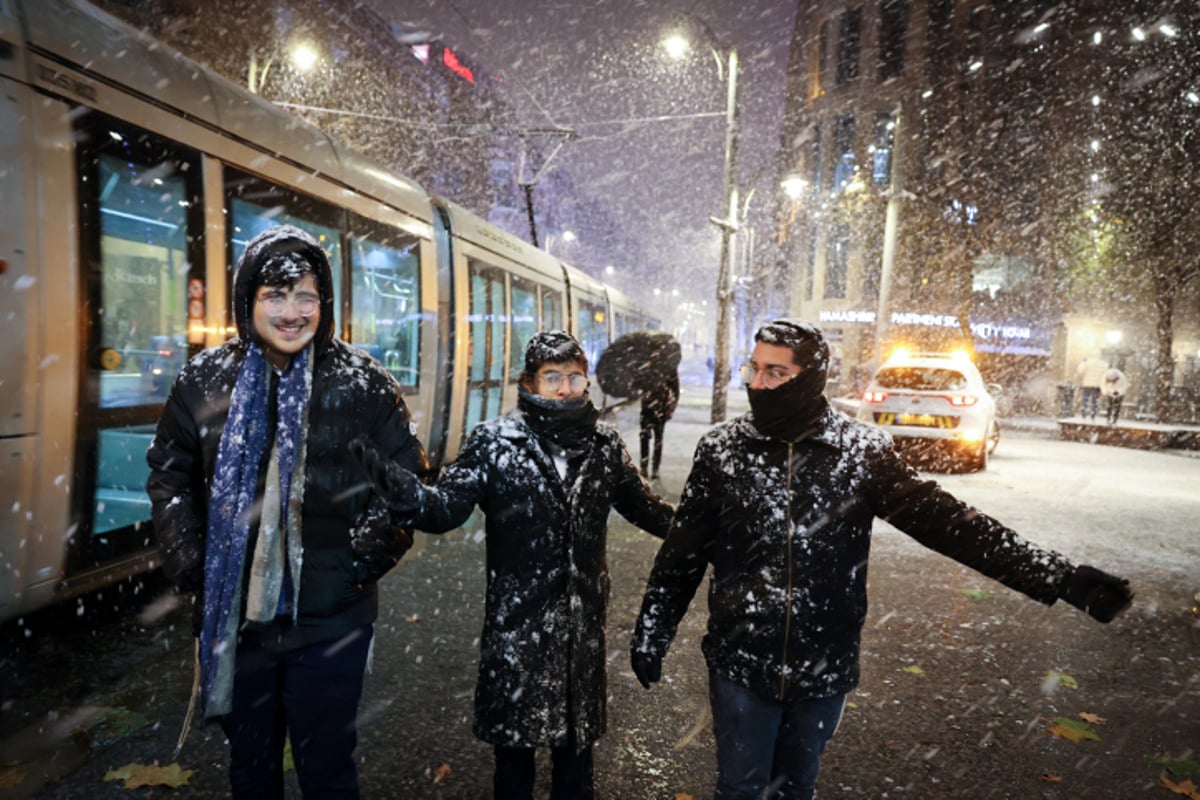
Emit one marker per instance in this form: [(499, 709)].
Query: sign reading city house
[(1019, 338)]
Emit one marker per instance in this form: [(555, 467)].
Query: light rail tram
[(131, 179)]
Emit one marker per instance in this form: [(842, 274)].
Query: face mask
[(790, 411)]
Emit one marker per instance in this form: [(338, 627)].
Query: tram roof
[(97, 43)]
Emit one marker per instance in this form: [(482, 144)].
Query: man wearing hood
[(546, 476), (781, 502), (260, 509)]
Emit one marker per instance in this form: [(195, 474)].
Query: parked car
[(934, 405)]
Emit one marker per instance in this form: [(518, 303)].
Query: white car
[(934, 403)]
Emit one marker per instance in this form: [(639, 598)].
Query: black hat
[(553, 347), (805, 340)]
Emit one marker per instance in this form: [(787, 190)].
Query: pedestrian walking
[(658, 406), (1091, 377), (781, 501), (1114, 388), (546, 476), (261, 510)]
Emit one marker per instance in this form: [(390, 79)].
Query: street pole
[(728, 227), (891, 228)]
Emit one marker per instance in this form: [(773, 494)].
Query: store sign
[(1011, 338)]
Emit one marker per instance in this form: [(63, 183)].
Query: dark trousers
[(571, 778), (769, 748), (1090, 403), (309, 695), (1112, 408), (652, 430)]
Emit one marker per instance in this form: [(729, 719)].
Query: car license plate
[(916, 420)]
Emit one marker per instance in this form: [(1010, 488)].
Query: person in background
[(546, 476), (1091, 376), (1114, 388), (261, 510), (780, 501), (658, 406)]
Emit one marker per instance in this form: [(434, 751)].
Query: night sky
[(595, 66)]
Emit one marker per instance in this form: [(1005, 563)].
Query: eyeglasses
[(576, 381), (276, 302), (771, 376)]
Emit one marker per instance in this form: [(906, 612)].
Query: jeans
[(572, 776), (769, 748), (312, 695), (1091, 400), (1112, 408)]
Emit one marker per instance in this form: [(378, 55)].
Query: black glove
[(1102, 595), (377, 548), (646, 666), (398, 487)]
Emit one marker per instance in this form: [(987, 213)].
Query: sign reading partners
[(1016, 337)]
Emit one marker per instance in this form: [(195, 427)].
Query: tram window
[(552, 315), (385, 298), (257, 205), (593, 334), (524, 324), (143, 203), (486, 342)]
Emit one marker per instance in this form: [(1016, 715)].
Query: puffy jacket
[(787, 529), (659, 402), (352, 395), (542, 653)]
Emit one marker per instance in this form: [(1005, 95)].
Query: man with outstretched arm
[(781, 501)]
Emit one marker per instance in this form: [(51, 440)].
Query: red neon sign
[(456, 66)]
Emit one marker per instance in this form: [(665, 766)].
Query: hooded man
[(546, 476), (781, 501), (261, 510)]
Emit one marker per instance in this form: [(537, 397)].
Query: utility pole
[(728, 228)]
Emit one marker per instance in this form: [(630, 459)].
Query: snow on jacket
[(352, 395), (787, 528), (542, 652)]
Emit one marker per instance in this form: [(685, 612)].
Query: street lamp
[(676, 47), (303, 57)]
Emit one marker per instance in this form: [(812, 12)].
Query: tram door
[(486, 323), (141, 226)]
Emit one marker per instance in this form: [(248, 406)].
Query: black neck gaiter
[(567, 423), (792, 410)]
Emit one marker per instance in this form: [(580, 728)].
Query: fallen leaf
[(1048, 778), (1180, 768), (413, 618), (684, 797), (113, 724), (137, 775), (1095, 719), (1187, 788), (11, 777), (1052, 680), (975, 594), (1072, 730), (441, 773), (914, 670)]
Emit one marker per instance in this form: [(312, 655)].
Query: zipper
[(787, 618)]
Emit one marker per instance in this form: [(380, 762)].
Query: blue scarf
[(231, 506)]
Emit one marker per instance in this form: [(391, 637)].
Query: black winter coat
[(658, 403), (542, 652), (787, 528), (352, 394)]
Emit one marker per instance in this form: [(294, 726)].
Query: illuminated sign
[(454, 65), (990, 337)]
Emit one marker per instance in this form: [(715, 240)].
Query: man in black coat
[(546, 476), (781, 502), (658, 406), (261, 510)]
